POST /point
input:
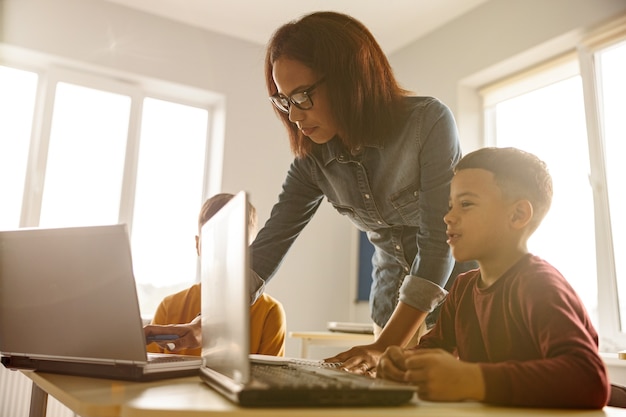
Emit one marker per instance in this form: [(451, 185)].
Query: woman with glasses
[(381, 157)]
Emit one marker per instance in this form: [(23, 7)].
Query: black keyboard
[(288, 376)]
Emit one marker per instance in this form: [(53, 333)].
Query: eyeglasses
[(301, 100)]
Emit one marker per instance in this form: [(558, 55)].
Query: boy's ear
[(522, 213)]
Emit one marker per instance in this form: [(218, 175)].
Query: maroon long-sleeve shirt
[(531, 335)]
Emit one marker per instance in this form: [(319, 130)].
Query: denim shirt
[(396, 191)]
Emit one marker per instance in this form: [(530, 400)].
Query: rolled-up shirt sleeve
[(421, 293)]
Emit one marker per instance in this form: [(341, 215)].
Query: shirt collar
[(334, 149)]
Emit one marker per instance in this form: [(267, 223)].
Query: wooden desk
[(87, 397), (189, 397), (330, 339)]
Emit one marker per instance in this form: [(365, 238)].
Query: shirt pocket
[(352, 215), (406, 204)]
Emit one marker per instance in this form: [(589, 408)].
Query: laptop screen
[(225, 303), (69, 293)]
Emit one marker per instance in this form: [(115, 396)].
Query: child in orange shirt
[(179, 313)]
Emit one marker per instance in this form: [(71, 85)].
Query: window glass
[(168, 197), (611, 68), (550, 122), (17, 103), (85, 167), (105, 153)]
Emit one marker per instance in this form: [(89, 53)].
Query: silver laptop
[(254, 380), (68, 304)]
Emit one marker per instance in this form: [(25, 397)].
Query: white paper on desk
[(350, 327), (282, 360)]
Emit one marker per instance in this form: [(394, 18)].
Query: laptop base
[(92, 370)]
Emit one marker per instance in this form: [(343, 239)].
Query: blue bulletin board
[(366, 250)]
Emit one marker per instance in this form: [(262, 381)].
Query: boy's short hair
[(215, 203), (519, 174)]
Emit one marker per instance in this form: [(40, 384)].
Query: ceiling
[(394, 23)]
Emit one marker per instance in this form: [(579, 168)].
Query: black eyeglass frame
[(283, 103)]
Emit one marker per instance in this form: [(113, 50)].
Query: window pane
[(168, 198), (17, 103), (612, 67), (550, 122), (85, 157)]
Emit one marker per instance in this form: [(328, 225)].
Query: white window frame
[(51, 70), (579, 61), (40, 139), (610, 328)]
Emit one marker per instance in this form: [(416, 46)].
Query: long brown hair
[(364, 94)]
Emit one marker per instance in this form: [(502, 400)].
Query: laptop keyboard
[(288, 377)]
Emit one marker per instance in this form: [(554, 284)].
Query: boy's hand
[(442, 377), (189, 335), (392, 364)]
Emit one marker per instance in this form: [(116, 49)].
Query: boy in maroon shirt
[(512, 332)]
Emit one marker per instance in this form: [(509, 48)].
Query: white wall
[(315, 283)]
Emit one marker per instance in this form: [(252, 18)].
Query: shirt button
[(340, 158), (367, 196), (398, 247), (406, 269), (415, 193), (379, 222)]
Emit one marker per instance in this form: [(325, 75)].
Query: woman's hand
[(359, 359), (189, 335)]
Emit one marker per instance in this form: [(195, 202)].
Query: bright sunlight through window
[(85, 157), (17, 103), (105, 153), (169, 193), (550, 122)]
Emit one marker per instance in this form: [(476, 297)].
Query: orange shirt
[(267, 321)]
